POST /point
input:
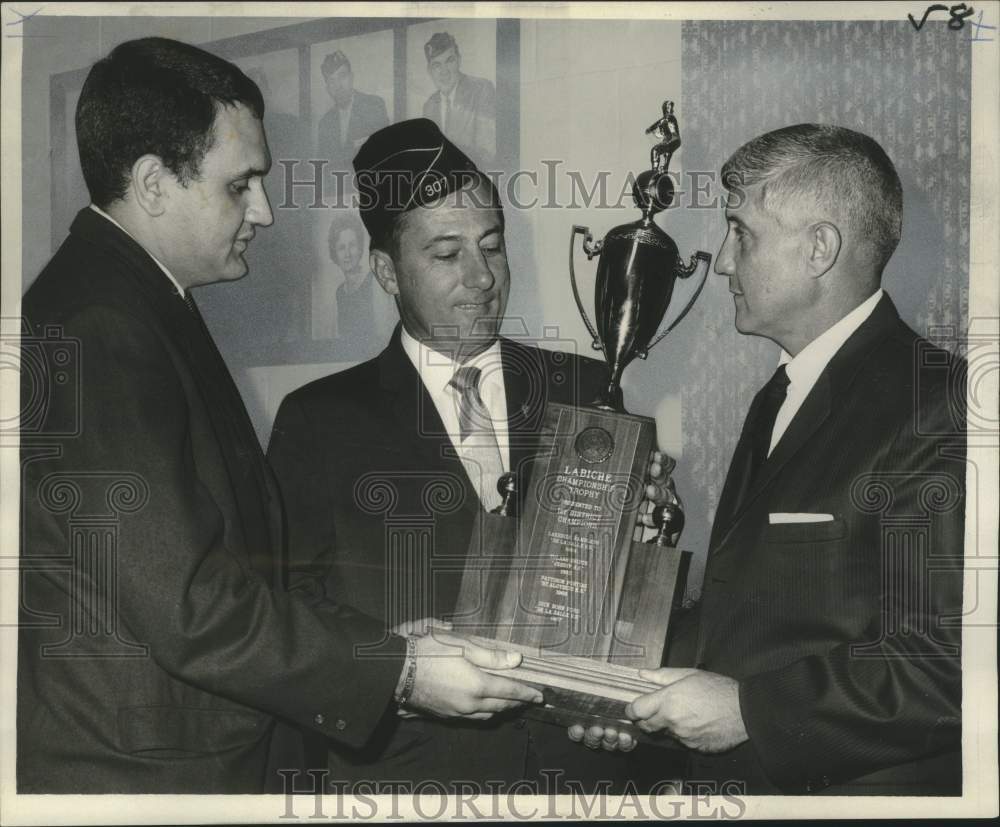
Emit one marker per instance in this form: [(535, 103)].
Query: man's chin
[(235, 271)]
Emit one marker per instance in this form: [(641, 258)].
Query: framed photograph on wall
[(327, 85), (451, 73)]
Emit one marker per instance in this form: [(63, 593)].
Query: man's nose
[(723, 260), (478, 274), (259, 209)]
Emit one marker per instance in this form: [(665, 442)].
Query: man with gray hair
[(828, 648)]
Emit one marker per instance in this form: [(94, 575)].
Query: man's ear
[(150, 179), (825, 242), (384, 270)]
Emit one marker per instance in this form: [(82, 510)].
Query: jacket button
[(341, 724), (319, 718)]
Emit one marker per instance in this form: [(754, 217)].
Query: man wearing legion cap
[(385, 466)]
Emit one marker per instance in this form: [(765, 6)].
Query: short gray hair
[(838, 169)]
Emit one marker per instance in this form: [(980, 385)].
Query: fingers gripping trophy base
[(578, 691)]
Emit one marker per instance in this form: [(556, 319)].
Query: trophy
[(562, 579)]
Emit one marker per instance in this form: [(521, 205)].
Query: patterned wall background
[(910, 91)]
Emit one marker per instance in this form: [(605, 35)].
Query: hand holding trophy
[(565, 584)]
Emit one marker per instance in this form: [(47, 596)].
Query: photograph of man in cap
[(464, 107), (352, 118), (151, 525), (385, 466)]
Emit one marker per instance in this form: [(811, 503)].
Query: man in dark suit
[(352, 118), (156, 647), (381, 479), (828, 654), (464, 107)]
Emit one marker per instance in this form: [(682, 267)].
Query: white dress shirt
[(447, 108), (436, 371), (159, 263), (805, 368), (345, 120)]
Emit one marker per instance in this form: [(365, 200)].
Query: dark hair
[(333, 61), (439, 42), (844, 173), (153, 96), (385, 235), (348, 221)]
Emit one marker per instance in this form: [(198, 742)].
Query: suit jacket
[(368, 115), (380, 508), (844, 635), (472, 121), (155, 644)]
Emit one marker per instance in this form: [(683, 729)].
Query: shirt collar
[(436, 369), (805, 367), (159, 263)]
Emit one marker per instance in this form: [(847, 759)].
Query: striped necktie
[(479, 450)]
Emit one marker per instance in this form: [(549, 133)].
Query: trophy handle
[(699, 259), (591, 249)]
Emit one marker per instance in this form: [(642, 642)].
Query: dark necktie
[(479, 450), (751, 451), (774, 393)]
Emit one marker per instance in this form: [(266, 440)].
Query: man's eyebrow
[(251, 172), (495, 229), (445, 237)]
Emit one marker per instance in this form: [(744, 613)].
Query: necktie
[(774, 393), (444, 113), (751, 451), (479, 450)]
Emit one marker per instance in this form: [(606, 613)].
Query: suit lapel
[(736, 477), (415, 413), (335, 128), (523, 376), (423, 432), (463, 111), (815, 410), (248, 475)]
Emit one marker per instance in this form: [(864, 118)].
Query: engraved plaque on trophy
[(564, 582)]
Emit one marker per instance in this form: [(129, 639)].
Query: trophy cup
[(564, 582)]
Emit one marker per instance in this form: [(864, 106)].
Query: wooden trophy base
[(580, 690), (566, 585)]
